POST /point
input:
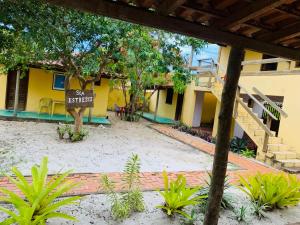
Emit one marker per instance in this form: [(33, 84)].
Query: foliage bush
[(241, 214), (226, 202), (73, 136), (248, 153), (273, 190), (202, 134), (122, 205), (237, 145), (177, 196), (40, 197)]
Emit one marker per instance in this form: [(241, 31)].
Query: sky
[(210, 51)]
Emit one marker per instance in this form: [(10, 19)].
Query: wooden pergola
[(268, 26)]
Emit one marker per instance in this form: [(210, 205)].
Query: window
[(297, 64), (98, 83), (58, 81), (268, 66), (169, 97)]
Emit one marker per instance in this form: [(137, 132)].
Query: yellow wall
[(40, 86), (3, 82), (283, 85), (164, 110), (188, 107), (209, 108), (116, 96)]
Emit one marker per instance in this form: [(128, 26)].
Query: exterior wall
[(164, 110), (199, 103), (188, 107), (209, 108), (3, 83), (283, 85), (116, 96), (40, 86)]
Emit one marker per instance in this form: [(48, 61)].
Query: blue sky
[(211, 51)]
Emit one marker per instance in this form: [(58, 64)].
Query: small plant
[(274, 190), (193, 218), (122, 205), (241, 214), (78, 136), (248, 153), (177, 196), (259, 210), (238, 144), (40, 197), (226, 202), (61, 130)]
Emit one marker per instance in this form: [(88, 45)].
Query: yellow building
[(266, 112), (44, 84)]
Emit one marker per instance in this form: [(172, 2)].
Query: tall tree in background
[(83, 45)]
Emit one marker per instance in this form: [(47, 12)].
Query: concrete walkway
[(91, 182)]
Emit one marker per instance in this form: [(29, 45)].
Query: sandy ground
[(95, 209), (106, 149)]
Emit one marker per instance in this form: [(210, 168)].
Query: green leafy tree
[(83, 45), (151, 58)]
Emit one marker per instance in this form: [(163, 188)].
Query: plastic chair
[(45, 103)]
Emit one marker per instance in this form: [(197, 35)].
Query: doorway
[(10, 90), (179, 106)]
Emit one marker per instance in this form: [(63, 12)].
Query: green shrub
[(259, 210), (226, 202), (78, 136), (177, 196), (241, 214), (274, 190), (238, 144), (40, 197), (248, 153), (122, 205), (192, 220)]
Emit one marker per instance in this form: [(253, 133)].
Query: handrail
[(245, 90), (260, 123), (283, 113)]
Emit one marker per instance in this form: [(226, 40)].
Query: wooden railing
[(211, 68)]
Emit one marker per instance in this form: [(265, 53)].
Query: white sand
[(95, 209), (104, 150)]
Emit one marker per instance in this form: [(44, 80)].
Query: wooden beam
[(255, 9), (282, 34), (169, 6), (149, 18)]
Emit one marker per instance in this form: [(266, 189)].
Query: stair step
[(275, 140), (259, 132), (295, 170), (291, 163), (282, 155), (278, 147)]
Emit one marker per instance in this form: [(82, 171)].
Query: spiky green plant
[(241, 214), (248, 153), (122, 205), (227, 199), (275, 190), (259, 210), (178, 196), (40, 197)]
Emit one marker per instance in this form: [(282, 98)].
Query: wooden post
[(211, 74), (266, 138), (156, 105), (236, 104), (191, 56), (90, 108), (223, 136), (16, 103)]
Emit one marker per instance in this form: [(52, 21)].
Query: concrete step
[(259, 132), (289, 163), (282, 155), (275, 140), (278, 147)]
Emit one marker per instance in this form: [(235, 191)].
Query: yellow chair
[(45, 103)]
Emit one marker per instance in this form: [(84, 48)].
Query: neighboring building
[(277, 142), (39, 84)]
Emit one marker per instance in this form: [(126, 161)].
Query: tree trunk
[(223, 136)]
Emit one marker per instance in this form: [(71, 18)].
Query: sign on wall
[(79, 98)]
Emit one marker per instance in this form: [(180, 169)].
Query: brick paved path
[(90, 182)]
